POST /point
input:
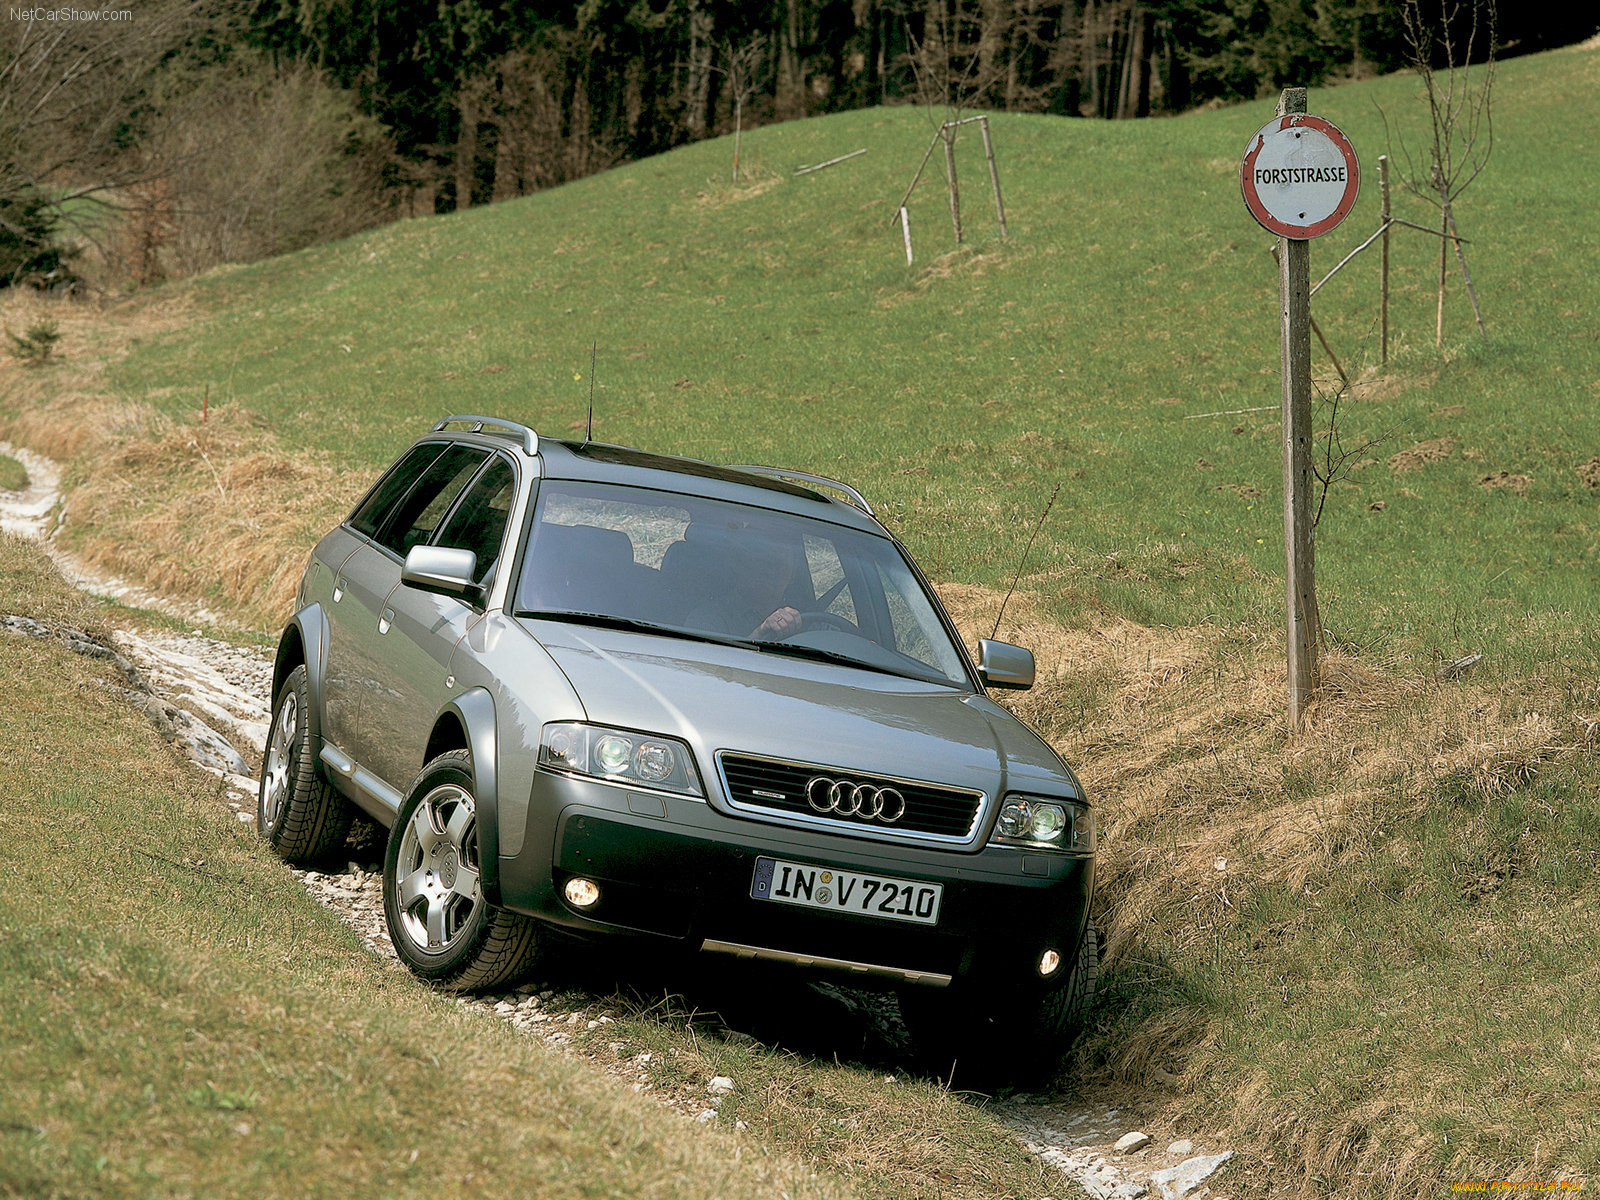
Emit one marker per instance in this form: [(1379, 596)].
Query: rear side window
[(412, 521), (392, 486)]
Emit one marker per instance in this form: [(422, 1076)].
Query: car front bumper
[(678, 871)]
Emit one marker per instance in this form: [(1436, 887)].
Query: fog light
[(1049, 961), (582, 893)]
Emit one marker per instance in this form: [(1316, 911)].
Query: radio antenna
[(588, 429), (1050, 503)]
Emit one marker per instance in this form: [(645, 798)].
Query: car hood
[(719, 697)]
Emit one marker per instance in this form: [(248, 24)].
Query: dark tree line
[(493, 98)]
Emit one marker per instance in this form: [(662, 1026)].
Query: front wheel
[(441, 926), (984, 1035), (297, 811)]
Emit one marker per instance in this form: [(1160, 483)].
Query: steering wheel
[(826, 620)]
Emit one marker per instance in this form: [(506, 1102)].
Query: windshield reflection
[(692, 567)]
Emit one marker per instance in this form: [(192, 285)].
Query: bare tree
[(745, 67), (69, 90), (1441, 45)]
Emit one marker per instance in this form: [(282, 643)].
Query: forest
[(195, 132)]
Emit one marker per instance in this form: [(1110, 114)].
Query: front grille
[(781, 787)]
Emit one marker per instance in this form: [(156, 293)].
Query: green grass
[(183, 1019), (13, 475), (783, 325), (1392, 983)]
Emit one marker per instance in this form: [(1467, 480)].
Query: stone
[(1176, 1182), (720, 1085), (1184, 1147), (1129, 1142)]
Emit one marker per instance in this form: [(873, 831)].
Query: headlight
[(1045, 824), (619, 756)]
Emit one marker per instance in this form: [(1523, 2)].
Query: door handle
[(338, 589), (386, 620)]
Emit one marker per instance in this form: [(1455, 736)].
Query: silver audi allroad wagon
[(601, 693)]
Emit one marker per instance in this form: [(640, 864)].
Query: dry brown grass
[(213, 512), (1205, 801), (1589, 472)]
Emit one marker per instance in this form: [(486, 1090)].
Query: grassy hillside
[(778, 321), (1365, 955), (184, 1020)]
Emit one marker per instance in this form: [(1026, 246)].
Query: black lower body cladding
[(678, 871)]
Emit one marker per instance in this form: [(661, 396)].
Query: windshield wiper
[(611, 621), (820, 655)]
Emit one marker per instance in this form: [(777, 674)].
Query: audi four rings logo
[(864, 800)]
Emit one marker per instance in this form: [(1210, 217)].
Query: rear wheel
[(441, 926), (297, 811), (982, 1034)]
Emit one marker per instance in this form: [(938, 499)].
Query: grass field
[(1366, 953), (184, 1020)]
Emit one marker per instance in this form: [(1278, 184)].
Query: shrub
[(38, 343)]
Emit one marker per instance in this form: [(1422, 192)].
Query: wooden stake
[(1302, 622), (905, 228), (1383, 271), (994, 178), (1444, 230), (950, 173), (205, 404)]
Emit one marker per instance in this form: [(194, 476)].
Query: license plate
[(834, 890)]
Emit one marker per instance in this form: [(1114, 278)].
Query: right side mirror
[(1002, 665)]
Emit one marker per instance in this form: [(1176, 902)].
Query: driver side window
[(479, 521)]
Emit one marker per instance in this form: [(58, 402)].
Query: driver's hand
[(779, 625)]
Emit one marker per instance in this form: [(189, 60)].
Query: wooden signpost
[(1300, 179)]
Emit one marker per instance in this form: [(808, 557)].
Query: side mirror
[(440, 569), (1002, 665)]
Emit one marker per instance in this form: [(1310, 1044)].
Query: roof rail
[(494, 427), (855, 497)]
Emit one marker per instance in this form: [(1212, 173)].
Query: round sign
[(1299, 176)]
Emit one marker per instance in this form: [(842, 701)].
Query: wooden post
[(950, 173), (1302, 624), (1444, 252), (994, 178), (905, 228), (1383, 271)]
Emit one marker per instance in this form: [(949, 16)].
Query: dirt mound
[(1421, 455), (1505, 479)]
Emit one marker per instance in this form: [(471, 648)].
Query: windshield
[(730, 573)]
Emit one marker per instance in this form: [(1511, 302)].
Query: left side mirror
[(1002, 665), (441, 569)]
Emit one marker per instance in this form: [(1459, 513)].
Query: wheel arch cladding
[(473, 711), (304, 641)]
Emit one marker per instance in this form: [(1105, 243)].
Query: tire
[(982, 1035), (297, 811), (441, 926)]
